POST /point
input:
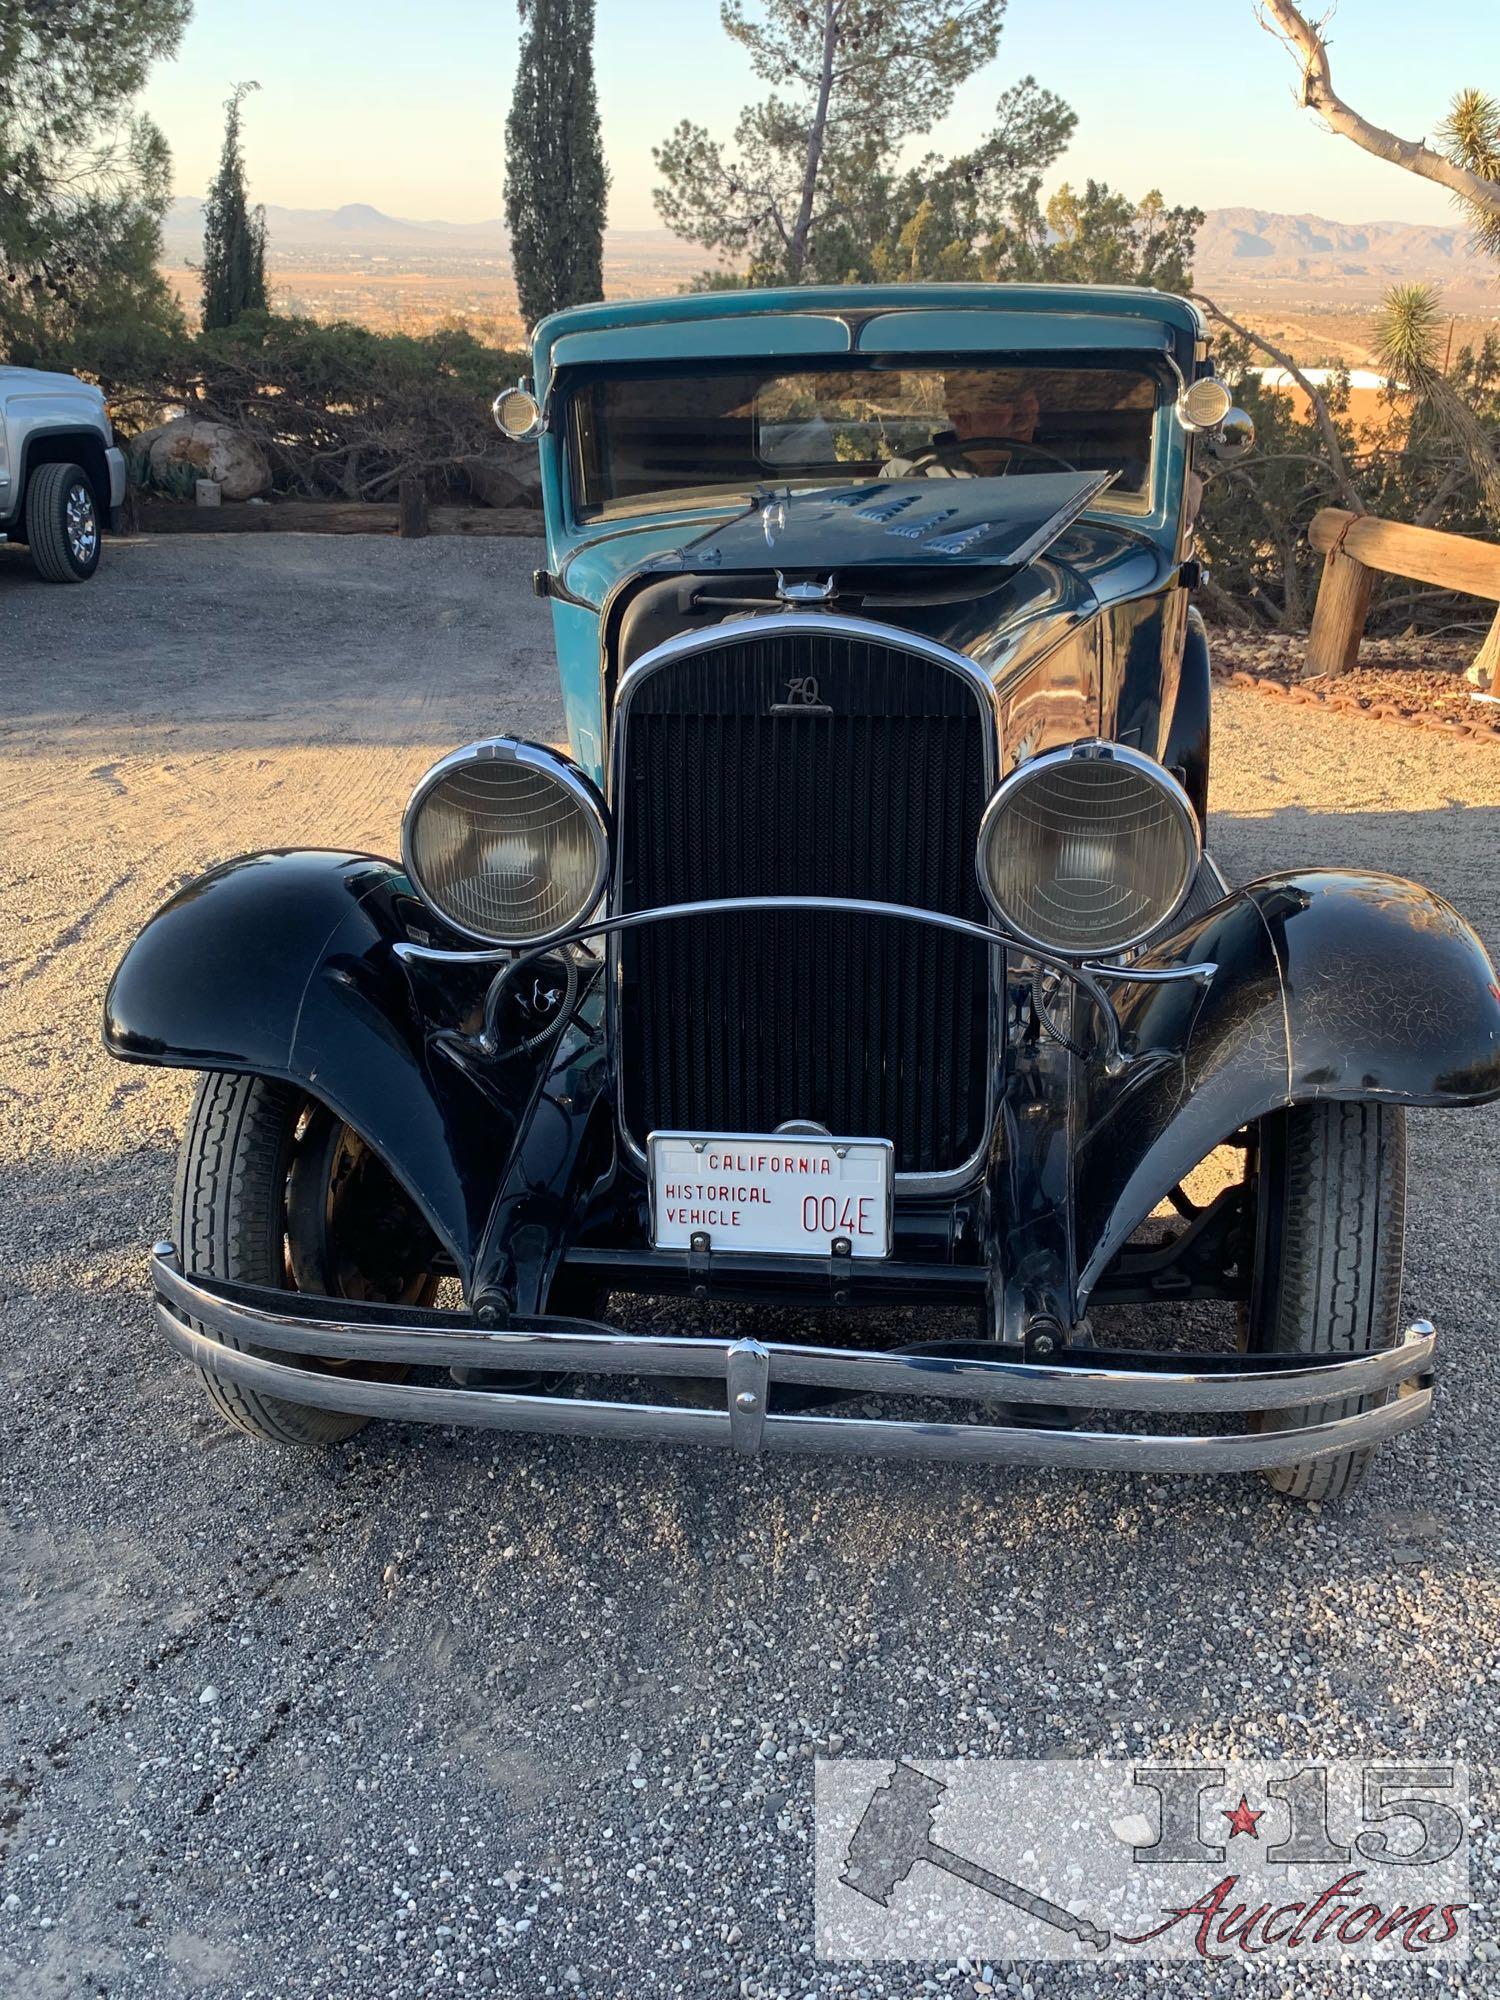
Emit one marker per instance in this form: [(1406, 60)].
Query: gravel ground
[(1421, 676), (440, 1712)]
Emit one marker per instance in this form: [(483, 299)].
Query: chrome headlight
[(507, 842), (1088, 851), (1204, 405)]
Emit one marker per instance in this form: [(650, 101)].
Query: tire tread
[(228, 1205), (1338, 1287), (46, 529)]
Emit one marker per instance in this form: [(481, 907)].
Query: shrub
[(340, 411), (1255, 515)]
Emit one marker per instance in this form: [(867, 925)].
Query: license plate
[(789, 1197)]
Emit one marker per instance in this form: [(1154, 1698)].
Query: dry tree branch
[(1348, 489), (1306, 43)]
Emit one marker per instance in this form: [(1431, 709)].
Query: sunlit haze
[(404, 107)]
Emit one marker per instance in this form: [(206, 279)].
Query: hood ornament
[(809, 592)]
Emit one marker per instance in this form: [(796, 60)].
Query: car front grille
[(792, 762)]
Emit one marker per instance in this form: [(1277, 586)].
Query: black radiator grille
[(736, 1023)]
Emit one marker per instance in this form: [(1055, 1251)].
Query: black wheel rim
[(352, 1231)]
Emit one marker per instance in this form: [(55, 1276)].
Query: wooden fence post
[(1486, 668), (1356, 546), (1339, 615), (411, 518)]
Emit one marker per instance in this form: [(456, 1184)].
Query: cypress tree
[(234, 234), (556, 181)]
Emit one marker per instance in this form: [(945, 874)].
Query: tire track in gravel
[(273, 1569), (73, 933)]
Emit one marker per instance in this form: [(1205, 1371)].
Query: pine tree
[(234, 234), (84, 179), (820, 186), (556, 181)]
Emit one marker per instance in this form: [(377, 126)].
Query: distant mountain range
[(1241, 247), (355, 226), (1254, 246)]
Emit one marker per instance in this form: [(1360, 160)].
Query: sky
[(404, 106)]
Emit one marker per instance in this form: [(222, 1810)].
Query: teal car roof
[(890, 319)]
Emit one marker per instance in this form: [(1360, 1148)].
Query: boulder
[(215, 451), (505, 477)]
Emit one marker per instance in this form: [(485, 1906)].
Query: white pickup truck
[(61, 473)]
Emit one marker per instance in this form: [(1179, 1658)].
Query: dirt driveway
[(441, 1713)]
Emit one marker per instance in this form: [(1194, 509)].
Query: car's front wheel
[(272, 1189), (62, 523), (1330, 1216)]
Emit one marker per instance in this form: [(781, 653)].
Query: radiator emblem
[(802, 698)]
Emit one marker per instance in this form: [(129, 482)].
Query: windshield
[(641, 439)]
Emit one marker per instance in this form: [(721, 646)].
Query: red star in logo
[(1242, 1820)]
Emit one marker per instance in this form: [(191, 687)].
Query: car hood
[(940, 523), (1037, 567)]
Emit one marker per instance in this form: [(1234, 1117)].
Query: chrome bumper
[(1399, 1378)]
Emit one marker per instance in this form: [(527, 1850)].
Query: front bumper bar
[(236, 1331)]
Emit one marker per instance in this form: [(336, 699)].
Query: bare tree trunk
[(1352, 498), (1318, 93), (1448, 485), (796, 255)]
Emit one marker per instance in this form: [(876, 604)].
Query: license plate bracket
[(771, 1194)]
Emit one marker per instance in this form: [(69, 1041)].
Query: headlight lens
[(507, 842), (1204, 405), (1088, 851)]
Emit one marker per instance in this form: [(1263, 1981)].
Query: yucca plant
[(1407, 341), (1471, 138)]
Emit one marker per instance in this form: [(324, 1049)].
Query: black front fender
[(1327, 984), (284, 965)]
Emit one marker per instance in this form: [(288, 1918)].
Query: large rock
[(505, 476), (215, 451)]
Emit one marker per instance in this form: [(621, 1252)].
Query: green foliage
[(556, 183), (173, 481), (1253, 526), (1408, 331), (234, 234), (953, 219), (340, 411), (1098, 237), (1407, 337), (1255, 516), (83, 182), (959, 226), (1471, 137), (814, 190)]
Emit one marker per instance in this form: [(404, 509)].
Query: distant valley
[(1315, 280)]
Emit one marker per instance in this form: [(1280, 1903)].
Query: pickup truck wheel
[(1330, 1217), (272, 1189), (62, 523)]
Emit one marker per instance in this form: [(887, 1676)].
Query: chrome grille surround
[(812, 626)]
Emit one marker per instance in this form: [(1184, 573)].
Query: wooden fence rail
[(1355, 546)]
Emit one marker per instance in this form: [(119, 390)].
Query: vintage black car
[(865, 950)]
